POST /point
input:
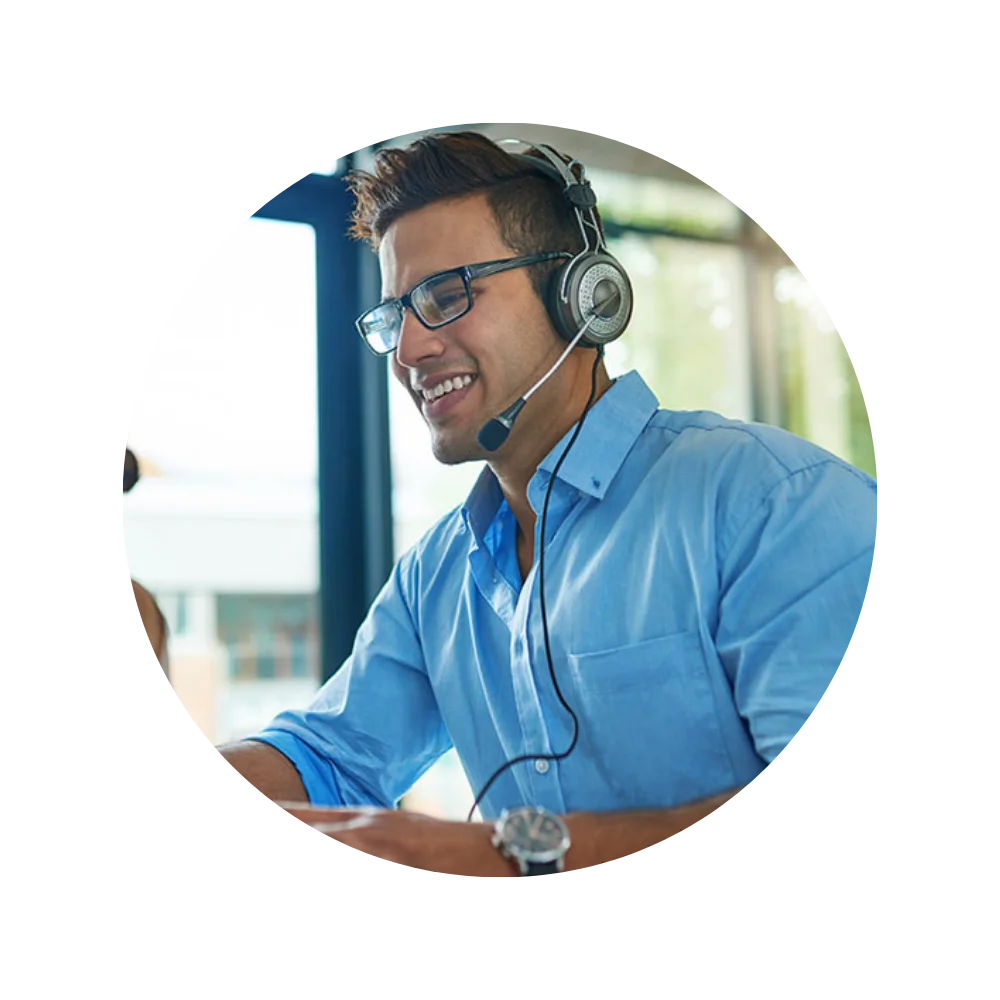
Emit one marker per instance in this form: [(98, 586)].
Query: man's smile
[(440, 394)]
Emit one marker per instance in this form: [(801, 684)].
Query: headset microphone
[(495, 432)]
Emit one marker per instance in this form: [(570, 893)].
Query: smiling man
[(496, 351), (634, 610)]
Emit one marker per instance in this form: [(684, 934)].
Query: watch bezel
[(525, 854)]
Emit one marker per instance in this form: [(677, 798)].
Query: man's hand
[(410, 838), (457, 848)]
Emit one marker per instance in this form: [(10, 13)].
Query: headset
[(589, 301), (592, 289), (589, 298)]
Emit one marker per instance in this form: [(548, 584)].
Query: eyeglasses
[(436, 301)]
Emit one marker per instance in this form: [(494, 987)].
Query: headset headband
[(576, 188)]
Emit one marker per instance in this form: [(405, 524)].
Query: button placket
[(529, 710)]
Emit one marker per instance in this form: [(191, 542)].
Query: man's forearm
[(459, 848), (267, 769), (600, 837)]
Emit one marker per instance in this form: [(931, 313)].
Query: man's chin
[(453, 457), (452, 451)]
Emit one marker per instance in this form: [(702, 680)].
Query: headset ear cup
[(594, 283), (620, 319)]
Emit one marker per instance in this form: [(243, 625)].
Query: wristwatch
[(533, 838)]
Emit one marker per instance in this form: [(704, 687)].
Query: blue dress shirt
[(703, 578)]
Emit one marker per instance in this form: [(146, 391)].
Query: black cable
[(541, 595)]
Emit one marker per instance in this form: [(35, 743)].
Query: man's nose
[(416, 343)]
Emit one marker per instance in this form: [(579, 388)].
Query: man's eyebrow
[(430, 274)]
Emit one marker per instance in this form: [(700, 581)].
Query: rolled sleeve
[(318, 775), (375, 726), (792, 583)]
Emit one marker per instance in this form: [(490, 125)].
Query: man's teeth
[(448, 385)]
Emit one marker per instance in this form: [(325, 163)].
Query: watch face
[(534, 835)]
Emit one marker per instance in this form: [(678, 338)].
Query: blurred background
[(283, 470)]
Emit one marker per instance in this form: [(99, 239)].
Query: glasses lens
[(441, 299), (380, 327)]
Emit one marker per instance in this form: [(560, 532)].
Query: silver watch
[(535, 839)]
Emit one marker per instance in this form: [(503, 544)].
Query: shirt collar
[(612, 427)]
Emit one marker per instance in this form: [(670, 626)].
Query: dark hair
[(130, 472), (530, 212)]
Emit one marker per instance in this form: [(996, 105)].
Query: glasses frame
[(468, 273)]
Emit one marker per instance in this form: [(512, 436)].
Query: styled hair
[(531, 214)]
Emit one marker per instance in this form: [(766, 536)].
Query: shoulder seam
[(742, 427)]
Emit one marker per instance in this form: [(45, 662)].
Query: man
[(702, 577)]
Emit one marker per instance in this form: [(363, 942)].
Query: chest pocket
[(648, 725)]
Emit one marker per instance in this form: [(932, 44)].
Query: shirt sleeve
[(793, 578), (374, 727)]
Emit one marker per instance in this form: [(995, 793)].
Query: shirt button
[(542, 766)]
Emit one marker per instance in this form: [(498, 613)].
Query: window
[(820, 396), (175, 610), (222, 526), (658, 203), (269, 635), (688, 334)]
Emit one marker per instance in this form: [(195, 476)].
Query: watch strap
[(541, 868)]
